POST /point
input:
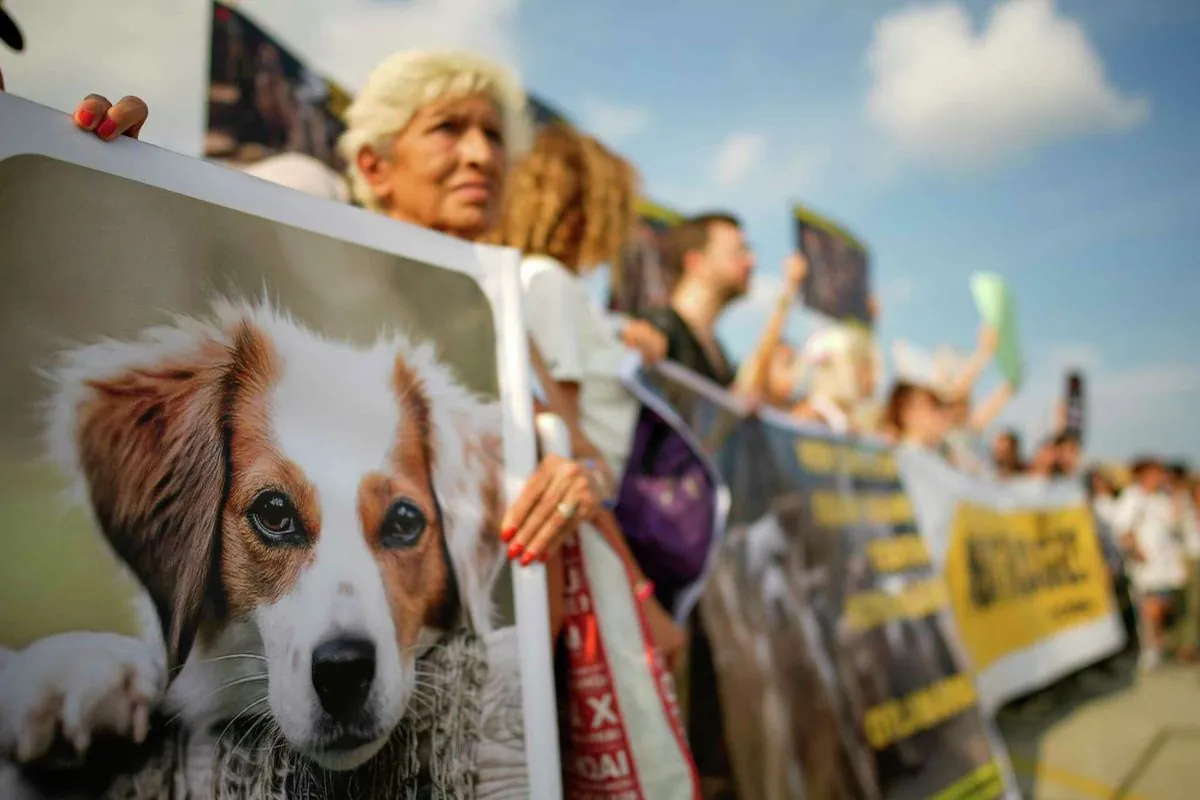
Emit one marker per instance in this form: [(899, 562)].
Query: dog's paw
[(77, 684)]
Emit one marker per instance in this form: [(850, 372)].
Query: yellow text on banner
[(985, 782), (868, 610), (898, 553), (1016, 578), (898, 719)]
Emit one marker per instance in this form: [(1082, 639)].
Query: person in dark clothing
[(708, 263)]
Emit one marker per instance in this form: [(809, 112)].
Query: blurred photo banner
[(837, 659), (838, 281), (1025, 570), (639, 282), (264, 100)]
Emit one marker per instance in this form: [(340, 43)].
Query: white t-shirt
[(579, 346), (1151, 519)]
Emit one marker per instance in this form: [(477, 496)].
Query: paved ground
[(1110, 735)]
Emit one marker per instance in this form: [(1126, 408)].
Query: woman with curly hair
[(570, 207)]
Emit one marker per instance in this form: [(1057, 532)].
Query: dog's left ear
[(139, 425)]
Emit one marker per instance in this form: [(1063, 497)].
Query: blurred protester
[(842, 374), (968, 421), (1101, 493), (916, 415), (1188, 527), (839, 362), (708, 263), (1145, 524), (1068, 453), (1006, 454), (1044, 462), (570, 208)]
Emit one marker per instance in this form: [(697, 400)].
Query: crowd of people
[(442, 140)]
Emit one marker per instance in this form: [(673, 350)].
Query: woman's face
[(925, 419), (445, 170)]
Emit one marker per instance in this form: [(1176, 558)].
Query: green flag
[(998, 309)]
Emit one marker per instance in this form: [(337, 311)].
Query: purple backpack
[(666, 507)]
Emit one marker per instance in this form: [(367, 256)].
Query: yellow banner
[(1018, 577)]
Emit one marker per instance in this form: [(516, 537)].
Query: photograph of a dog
[(311, 521)]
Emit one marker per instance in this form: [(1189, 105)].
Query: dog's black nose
[(342, 671)]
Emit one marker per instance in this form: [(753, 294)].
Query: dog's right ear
[(138, 425)]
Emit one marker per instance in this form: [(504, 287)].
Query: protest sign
[(838, 280), (638, 282), (219, 365), (1075, 405), (264, 100), (839, 669), (1025, 569)]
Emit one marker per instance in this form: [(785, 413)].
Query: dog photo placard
[(270, 439)]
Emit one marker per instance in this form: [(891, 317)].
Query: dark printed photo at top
[(262, 100)]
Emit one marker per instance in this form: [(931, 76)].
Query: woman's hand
[(795, 270), (97, 115), (556, 498), (646, 339)]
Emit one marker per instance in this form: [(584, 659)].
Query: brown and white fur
[(280, 494)]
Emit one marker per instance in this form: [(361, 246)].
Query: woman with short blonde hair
[(451, 120)]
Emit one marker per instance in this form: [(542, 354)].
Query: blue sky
[(1053, 142)]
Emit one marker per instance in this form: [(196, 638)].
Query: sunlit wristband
[(601, 484)]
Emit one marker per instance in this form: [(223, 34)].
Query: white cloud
[(737, 156), (613, 123), (1149, 408), (948, 94), (159, 51)]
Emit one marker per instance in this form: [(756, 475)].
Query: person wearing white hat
[(946, 378), (842, 368), (838, 361)]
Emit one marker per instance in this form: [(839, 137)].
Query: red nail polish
[(507, 534), (86, 118), (106, 128), (528, 558), (515, 549)]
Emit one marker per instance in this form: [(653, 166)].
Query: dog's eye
[(403, 525), (274, 517)]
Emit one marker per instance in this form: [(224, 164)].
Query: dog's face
[(316, 499)]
